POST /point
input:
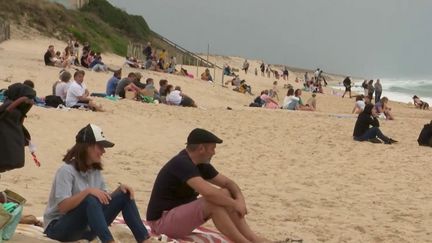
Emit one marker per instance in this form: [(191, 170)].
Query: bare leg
[(241, 224), (223, 222)]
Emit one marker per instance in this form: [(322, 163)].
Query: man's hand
[(103, 196), (127, 189)]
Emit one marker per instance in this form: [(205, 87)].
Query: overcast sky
[(369, 38)]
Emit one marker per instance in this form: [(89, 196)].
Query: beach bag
[(53, 101), (425, 137), (13, 135), (10, 214)]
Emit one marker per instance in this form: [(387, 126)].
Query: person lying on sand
[(80, 205), (420, 104), (174, 208), (363, 130)]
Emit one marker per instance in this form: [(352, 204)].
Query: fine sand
[(301, 172)]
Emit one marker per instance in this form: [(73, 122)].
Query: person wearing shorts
[(175, 208)]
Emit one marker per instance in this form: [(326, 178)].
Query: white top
[(360, 104), (290, 99), (75, 90), (61, 89), (174, 97)]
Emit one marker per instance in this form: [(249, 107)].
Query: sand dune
[(301, 173)]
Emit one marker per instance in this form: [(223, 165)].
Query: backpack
[(425, 137), (13, 135), (53, 101)]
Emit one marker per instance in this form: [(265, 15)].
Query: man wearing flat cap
[(176, 210)]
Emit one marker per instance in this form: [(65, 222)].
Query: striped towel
[(199, 235)]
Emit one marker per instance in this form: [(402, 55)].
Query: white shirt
[(174, 97), (61, 89), (75, 90), (288, 100), (360, 104)]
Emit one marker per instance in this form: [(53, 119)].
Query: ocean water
[(402, 90)]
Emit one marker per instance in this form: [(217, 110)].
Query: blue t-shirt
[(111, 86)]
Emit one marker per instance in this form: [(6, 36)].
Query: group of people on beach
[(71, 56)]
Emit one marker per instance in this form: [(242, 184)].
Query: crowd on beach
[(80, 206), (74, 94)]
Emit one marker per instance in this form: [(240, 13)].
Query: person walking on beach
[(245, 66), (363, 130), (365, 88), (285, 73), (371, 89), (378, 91), (262, 67), (174, 208), (347, 84), (79, 205)]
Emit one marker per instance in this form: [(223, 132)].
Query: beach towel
[(199, 235)]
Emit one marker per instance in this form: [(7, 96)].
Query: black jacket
[(364, 121)]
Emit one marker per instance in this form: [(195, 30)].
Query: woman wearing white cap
[(79, 205)]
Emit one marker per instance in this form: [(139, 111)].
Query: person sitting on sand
[(163, 84), (174, 207), (113, 82), (383, 108), (290, 102), (244, 88), (302, 106), (359, 105), (51, 59), (80, 205), (258, 102), (61, 87), (363, 130), (49, 56), (234, 82), (127, 84), (268, 101), (83, 60), (312, 102), (150, 90), (418, 103), (176, 97), (206, 76), (77, 95), (274, 92), (97, 65)]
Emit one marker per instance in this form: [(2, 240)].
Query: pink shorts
[(180, 221)]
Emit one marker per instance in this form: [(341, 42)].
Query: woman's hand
[(103, 196), (127, 189)]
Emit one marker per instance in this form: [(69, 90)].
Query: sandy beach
[(301, 172)]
